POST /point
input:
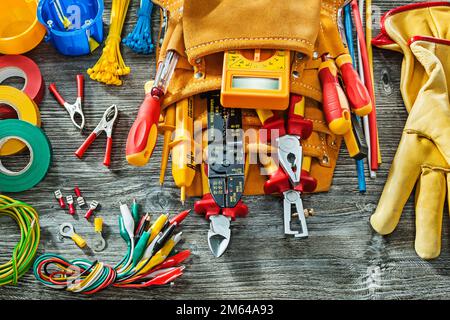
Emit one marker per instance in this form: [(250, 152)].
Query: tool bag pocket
[(200, 31)]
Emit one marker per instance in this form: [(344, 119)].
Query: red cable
[(369, 84)]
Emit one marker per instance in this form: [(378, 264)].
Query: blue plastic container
[(85, 18)]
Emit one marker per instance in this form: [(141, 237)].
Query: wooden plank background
[(342, 259)]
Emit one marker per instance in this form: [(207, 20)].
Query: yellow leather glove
[(401, 24), (423, 155)]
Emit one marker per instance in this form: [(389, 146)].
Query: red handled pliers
[(72, 109), (290, 180), (106, 125)]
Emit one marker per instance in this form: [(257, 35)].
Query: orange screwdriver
[(142, 136)]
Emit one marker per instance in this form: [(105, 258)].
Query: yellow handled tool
[(168, 126), (183, 153)]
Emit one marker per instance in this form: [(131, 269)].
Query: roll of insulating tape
[(26, 110), (23, 67), (40, 155), (7, 112)]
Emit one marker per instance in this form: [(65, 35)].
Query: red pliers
[(106, 125), (289, 179)]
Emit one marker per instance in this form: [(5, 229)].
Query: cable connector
[(60, 198)]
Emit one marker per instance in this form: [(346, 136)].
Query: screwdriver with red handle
[(357, 94), (143, 134), (335, 103)]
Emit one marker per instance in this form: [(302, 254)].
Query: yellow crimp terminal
[(79, 241), (98, 224)]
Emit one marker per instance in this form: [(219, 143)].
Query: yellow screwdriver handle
[(80, 242)]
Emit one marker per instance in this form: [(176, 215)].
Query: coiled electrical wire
[(24, 252), (159, 267)]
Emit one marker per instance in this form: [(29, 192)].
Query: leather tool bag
[(201, 30)]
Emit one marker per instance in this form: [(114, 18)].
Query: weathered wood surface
[(343, 258)]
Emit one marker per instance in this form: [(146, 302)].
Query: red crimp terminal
[(70, 204), (59, 197), (71, 209), (92, 207), (77, 191)]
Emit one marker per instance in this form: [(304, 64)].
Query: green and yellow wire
[(24, 252)]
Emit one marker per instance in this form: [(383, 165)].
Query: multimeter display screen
[(254, 83)]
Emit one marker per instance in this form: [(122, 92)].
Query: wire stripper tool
[(225, 173)]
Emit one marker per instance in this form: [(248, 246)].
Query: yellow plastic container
[(20, 30)]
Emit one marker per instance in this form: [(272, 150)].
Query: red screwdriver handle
[(335, 104), (107, 159), (357, 93), (297, 125), (82, 149), (58, 97), (207, 206), (142, 136), (80, 86)]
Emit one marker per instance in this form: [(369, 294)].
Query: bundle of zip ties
[(24, 252), (140, 40), (148, 260), (111, 66)]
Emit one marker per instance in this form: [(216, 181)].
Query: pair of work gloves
[(420, 31), (201, 30)]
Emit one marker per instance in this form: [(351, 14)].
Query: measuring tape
[(256, 79), (40, 155), (23, 67), (26, 110)]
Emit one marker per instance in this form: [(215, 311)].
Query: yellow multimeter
[(256, 79)]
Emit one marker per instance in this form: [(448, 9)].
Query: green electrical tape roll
[(40, 155)]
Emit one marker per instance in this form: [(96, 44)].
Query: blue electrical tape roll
[(40, 155), (74, 27)]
